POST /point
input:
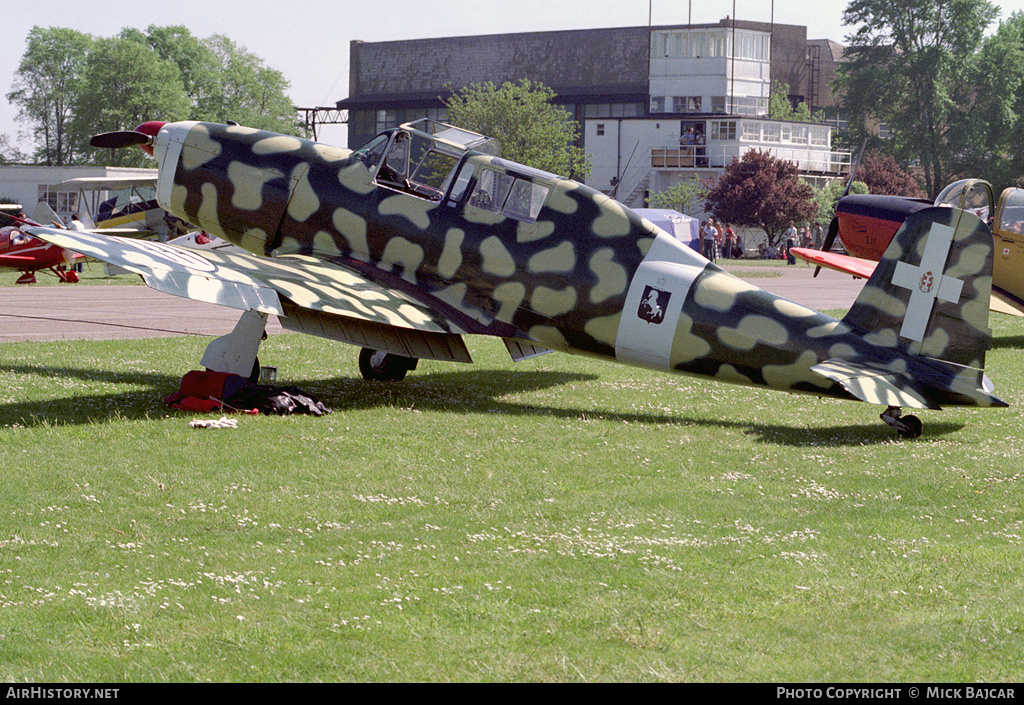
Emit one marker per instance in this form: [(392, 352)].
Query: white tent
[(683, 227)]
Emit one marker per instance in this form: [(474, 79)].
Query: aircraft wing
[(280, 285), (112, 183), (16, 261), (1001, 301), (832, 260), (124, 232), (1005, 302)]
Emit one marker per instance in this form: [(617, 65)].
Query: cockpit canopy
[(972, 195), (976, 196), (439, 162)]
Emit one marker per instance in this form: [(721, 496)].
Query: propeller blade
[(116, 140), (833, 227), (830, 237), (854, 167)]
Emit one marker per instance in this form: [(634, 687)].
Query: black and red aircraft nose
[(149, 128)]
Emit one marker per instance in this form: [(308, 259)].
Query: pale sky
[(308, 41)]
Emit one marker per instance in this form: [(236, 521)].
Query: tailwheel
[(379, 366), (906, 426)]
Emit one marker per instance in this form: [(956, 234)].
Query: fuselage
[(501, 249), (867, 223)]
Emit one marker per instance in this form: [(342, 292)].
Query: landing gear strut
[(906, 426), (378, 366)]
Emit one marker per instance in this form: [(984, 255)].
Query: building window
[(705, 44), (741, 105), (600, 129), (687, 104), (723, 130), (387, 119), (613, 110), (657, 104), (60, 202)]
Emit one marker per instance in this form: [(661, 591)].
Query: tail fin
[(44, 215), (932, 288)]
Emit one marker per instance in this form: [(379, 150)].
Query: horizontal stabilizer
[(1001, 301), (873, 385)]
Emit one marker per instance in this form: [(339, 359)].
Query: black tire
[(914, 427), (377, 366)]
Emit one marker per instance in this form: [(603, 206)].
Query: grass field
[(560, 519), (93, 274)]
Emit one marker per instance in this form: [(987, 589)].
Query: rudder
[(932, 288)]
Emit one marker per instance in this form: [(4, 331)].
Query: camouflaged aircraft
[(423, 235)]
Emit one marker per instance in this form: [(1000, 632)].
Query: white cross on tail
[(927, 282)]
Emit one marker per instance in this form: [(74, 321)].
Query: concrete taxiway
[(80, 312)]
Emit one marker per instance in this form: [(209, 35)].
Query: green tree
[(826, 197), (246, 91), (70, 86), (687, 197), (781, 108), (883, 176), (125, 83), (45, 86), (195, 61), (912, 65), (988, 143), (522, 118), (9, 153), (762, 192)]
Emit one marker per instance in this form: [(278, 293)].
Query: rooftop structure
[(636, 91)]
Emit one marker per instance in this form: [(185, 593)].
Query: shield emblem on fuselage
[(653, 304)]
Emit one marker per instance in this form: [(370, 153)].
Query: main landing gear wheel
[(906, 426), (378, 366)]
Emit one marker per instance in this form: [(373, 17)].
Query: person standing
[(791, 235), (76, 224), (707, 235)]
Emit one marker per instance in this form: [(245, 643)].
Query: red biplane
[(24, 253)]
